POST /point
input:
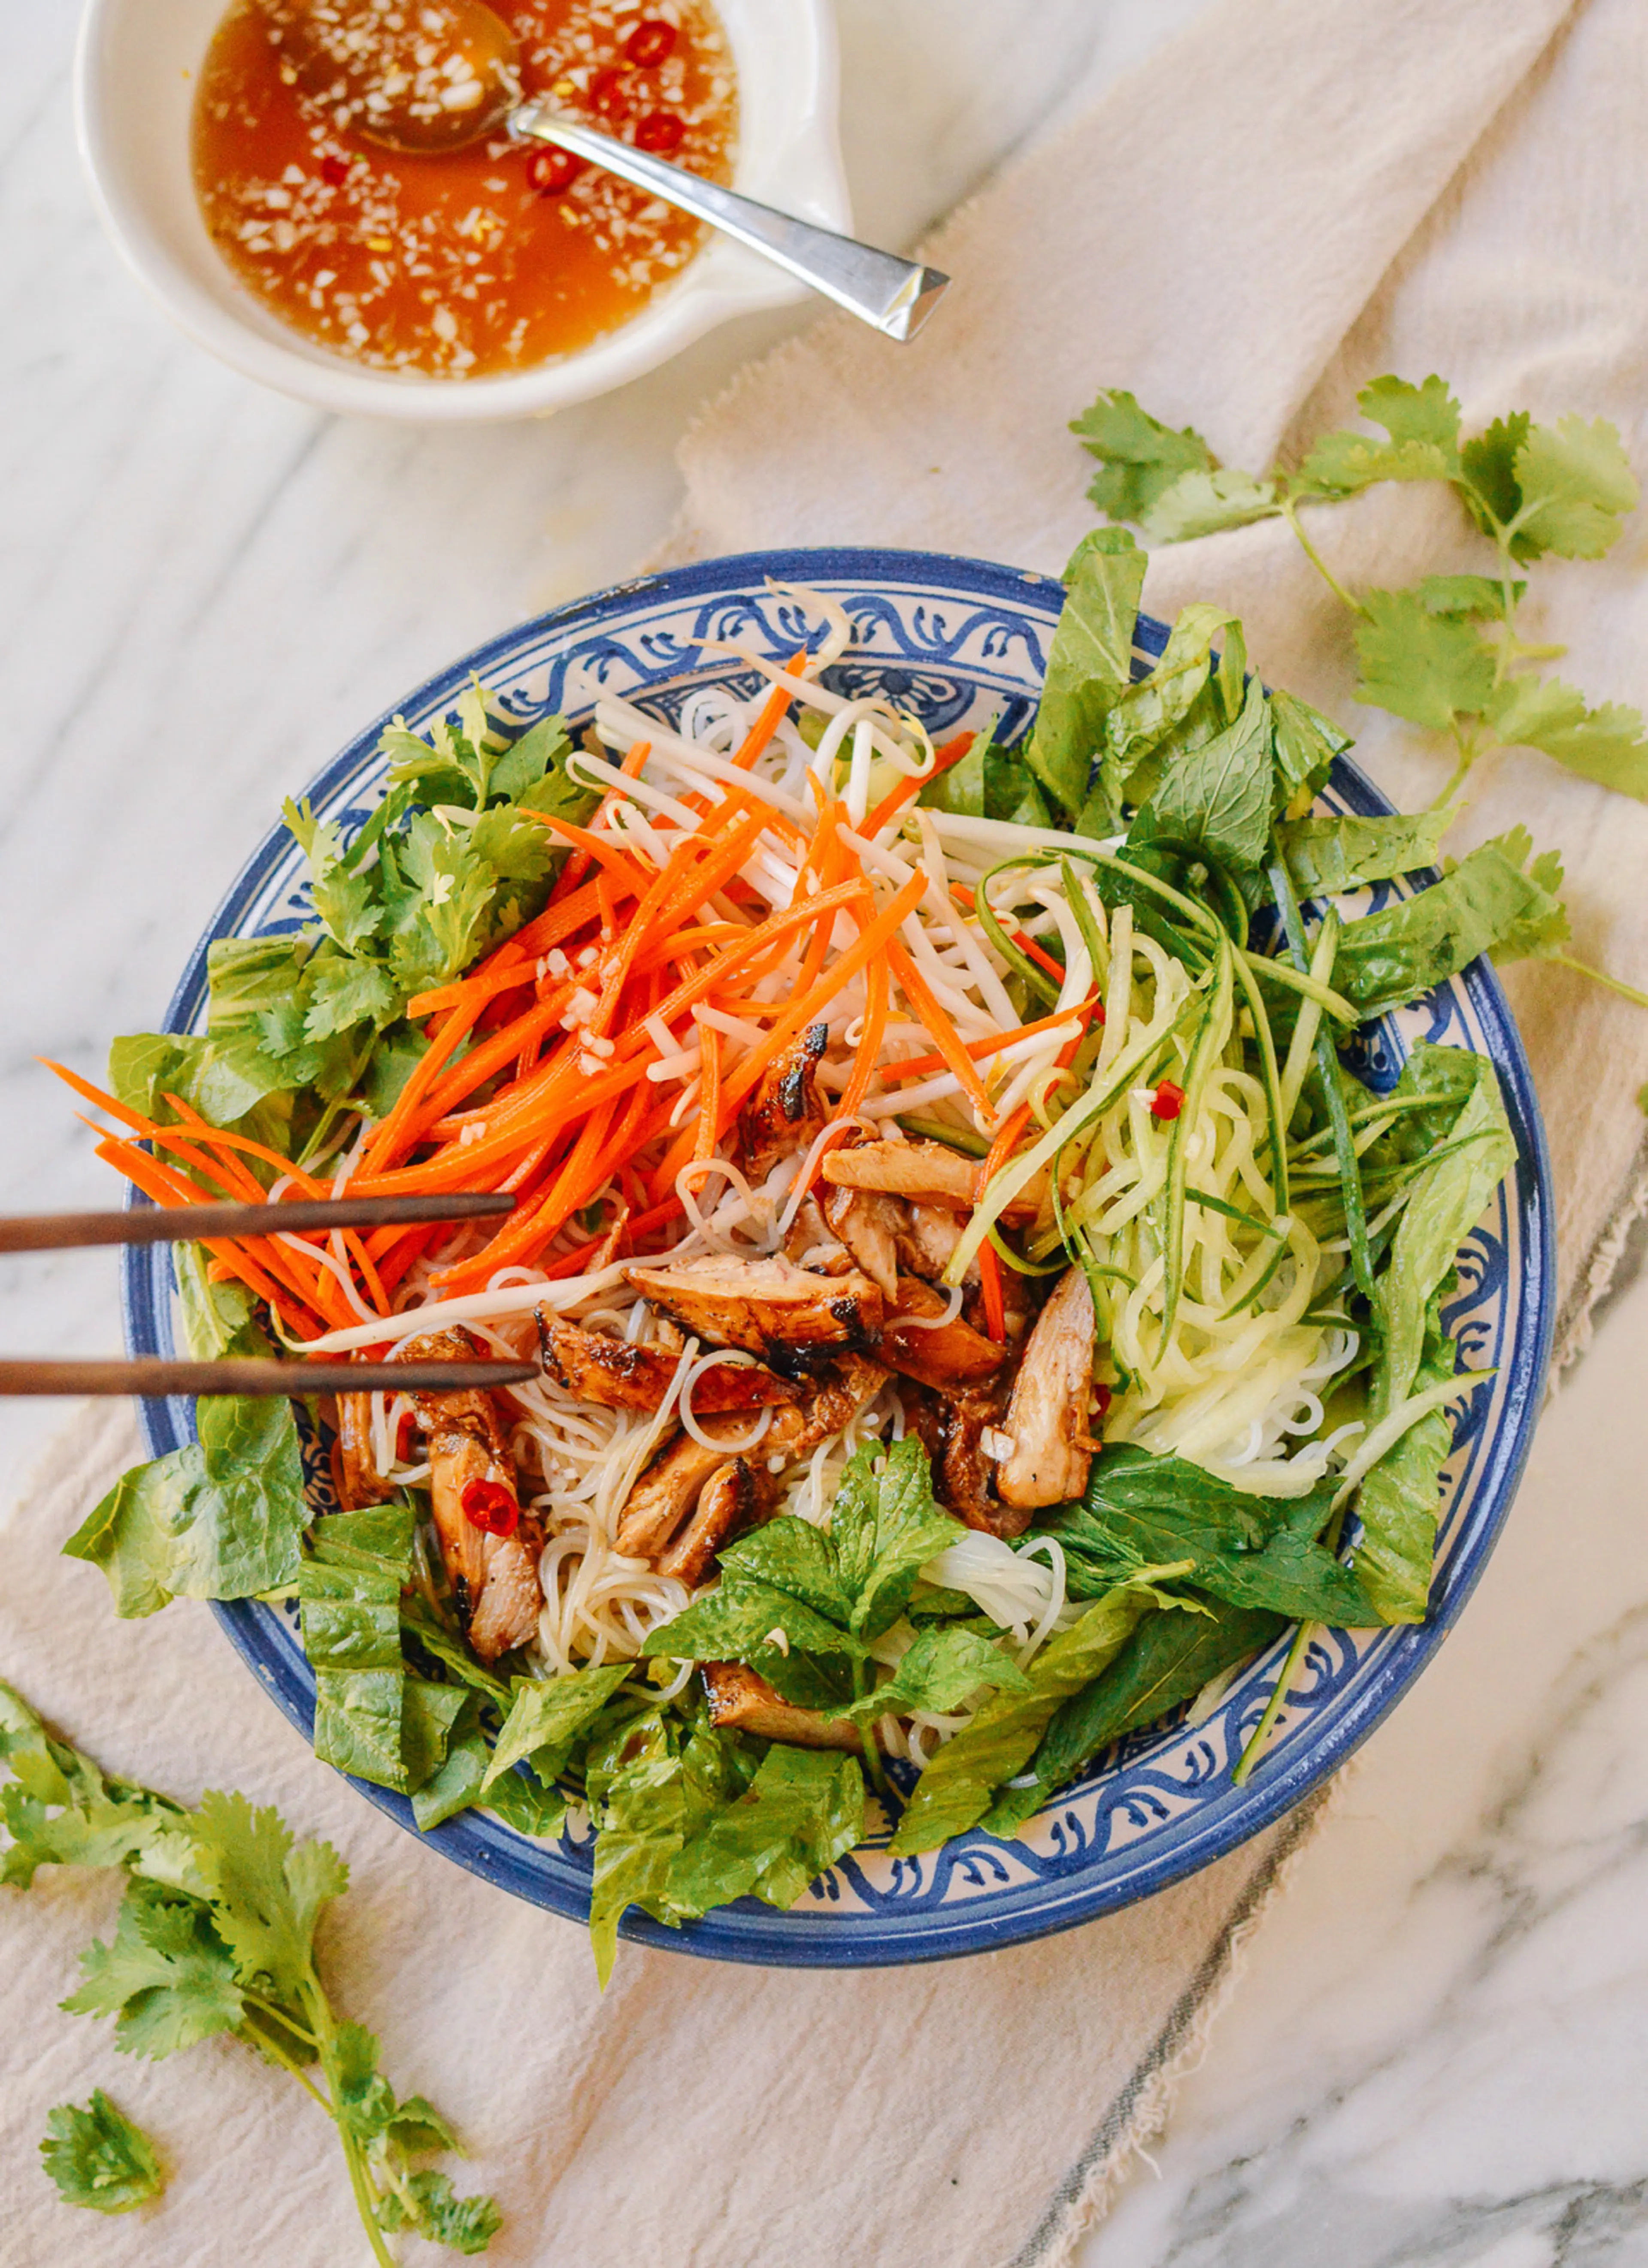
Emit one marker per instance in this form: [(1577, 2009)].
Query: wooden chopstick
[(152, 1374), (192, 1224)]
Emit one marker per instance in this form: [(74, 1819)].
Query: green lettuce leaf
[(1089, 665)]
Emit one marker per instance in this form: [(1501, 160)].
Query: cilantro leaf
[(1424, 425), (1428, 667), (1201, 502), (1476, 597), (1608, 744), (98, 2158), (168, 1979), (1089, 663), (427, 2203), (1487, 479), (267, 1891), (1140, 457), (1575, 482)]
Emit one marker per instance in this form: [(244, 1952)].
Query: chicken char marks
[(494, 1578), (783, 1114)]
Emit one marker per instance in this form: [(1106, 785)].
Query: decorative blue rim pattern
[(964, 642)]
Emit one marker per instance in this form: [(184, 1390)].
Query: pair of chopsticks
[(193, 1224)]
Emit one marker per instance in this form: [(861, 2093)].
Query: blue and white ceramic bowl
[(960, 641)]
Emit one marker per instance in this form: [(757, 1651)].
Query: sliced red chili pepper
[(489, 1506), (335, 170), (650, 41), (1168, 1101), (1101, 1402), (552, 172), (608, 92), (405, 1438), (661, 132)]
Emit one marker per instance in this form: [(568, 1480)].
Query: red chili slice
[(552, 172), (489, 1506), (1101, 1402), (661, 132), (650, 41), (1168, 1101), (405, 1438), (608, 92), (335, 170)]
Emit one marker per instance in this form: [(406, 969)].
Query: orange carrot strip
[(908, 789), (709, 1090), (871, 940), (880, 996), (965, 897), (168, 1188), (386, 1139), (579, 865), (773, 710), (308, 1183), (524, 1226), (504, 968), (598, 846), (923, 1066), (937, 1025), (572, 1263), (990, 1271), (480, 1064)]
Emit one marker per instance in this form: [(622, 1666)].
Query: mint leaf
[(1140, 457), (1575, 481), (1089, 663), (1219, 797), (98, 2158), (1304, 744), (1428, 667), (802, 1811)]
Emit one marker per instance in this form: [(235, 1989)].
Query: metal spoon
[(425, 77)]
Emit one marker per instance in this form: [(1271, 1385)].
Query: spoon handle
[(895, 295)]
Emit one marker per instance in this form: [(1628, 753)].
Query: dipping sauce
[(488, 260)]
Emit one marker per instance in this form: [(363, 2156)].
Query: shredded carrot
[(990, 1268), (709, 1090), (937, 1024), (616, 862), (879, 998), (578, 865), (773, 711), (908, 789), (383, 1142), (924, 1066)]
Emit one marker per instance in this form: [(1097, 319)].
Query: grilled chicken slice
[(928, 1173), (783, 1114), (951, 1428), (494, 1578), (1047, 1418), (949, 1354), (595, 1366), (727, 1504), (793, 1320), (869, 1225), (925, 1170), (670, 1487), (927, 1240), (747, 1704), (810, 1242), (360, 1482), (685, 1474)]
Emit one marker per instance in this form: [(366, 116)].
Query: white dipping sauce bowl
[(136, 74)]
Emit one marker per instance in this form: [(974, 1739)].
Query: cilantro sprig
[(98, 2158), (215, 1936), (1446, 653)]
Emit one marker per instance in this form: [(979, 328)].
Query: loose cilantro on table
[(1445, 653), (98, 2158), (216, 1935)]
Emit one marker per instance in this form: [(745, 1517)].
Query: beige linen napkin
[(1298, 193)]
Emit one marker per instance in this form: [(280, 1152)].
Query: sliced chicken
[(783, 1114), (360, 1482), (793, 1319), (595, 1366), (494, 1577), (745, 1702), (810, 1242), (670, 1487), (948, 1354), (927, 1240), (869, 1224), (686, 1472), (727, 1505), (951, 1429), (930, 1173), (925, 1170), (1047, 1416)]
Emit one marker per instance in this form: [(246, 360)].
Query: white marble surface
[(1440, 2051)]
